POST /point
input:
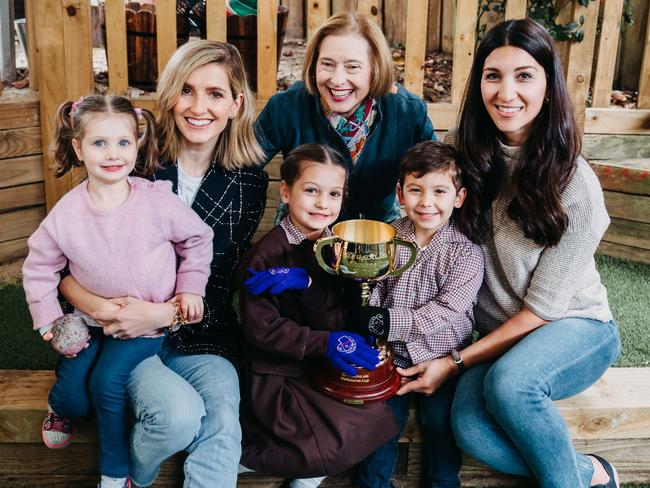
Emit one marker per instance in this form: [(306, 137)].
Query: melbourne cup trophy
[(363, 251)]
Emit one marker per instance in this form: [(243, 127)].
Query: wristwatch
[(458, 360), (178, 320)]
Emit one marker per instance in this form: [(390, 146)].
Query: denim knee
[(507, 391)]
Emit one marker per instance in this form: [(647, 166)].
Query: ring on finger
[(116, 336)]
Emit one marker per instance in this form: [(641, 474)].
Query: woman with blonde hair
[(348, 100), (187, 397)]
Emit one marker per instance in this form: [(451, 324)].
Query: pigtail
[(147, 162), (61, 146)]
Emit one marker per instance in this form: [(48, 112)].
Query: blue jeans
[(186, 402), (503, 413), (96, 380), (442, 458)]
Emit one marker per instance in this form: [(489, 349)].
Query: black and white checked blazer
[(232, 203)]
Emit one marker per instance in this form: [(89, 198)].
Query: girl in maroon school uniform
[(289, 428)]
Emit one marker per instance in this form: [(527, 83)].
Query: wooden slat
[(626, 176), (344, 6), (515, 9), (434, 28), (644, 80), (118, 71), (372, 9), (580, 59), (447, 23), (7, 44), (165, 24), (22, 170), (22, 196), (627, 206), (625, 252), (610, 146), (617, 121), (317, 12), (607, 48), (296, 20), (416, 39), (464, 40), (21, 223), (267, 57), (52, 87), (20, 142), (30, 13), (19, 111), (215, 15), (13, 250), (395, 21), (77, 46), (628, 233), (444, 116)]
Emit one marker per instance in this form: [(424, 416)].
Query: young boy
[(426, 312)]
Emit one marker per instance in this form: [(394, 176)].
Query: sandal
[(611, 471)]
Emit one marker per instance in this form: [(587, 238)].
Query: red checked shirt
[(431, 304)]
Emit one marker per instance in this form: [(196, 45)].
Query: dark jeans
[(96, 379), (442, 458)]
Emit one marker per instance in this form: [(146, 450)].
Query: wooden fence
[(61, 48)]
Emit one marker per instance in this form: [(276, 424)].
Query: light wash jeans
[(503, 413), (186, 402)]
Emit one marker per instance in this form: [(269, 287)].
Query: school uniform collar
[(294, 235)]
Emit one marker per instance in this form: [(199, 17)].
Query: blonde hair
[(381, 60), (237, 146), (71, 120)]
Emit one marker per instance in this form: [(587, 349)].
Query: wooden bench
[(611, 418)]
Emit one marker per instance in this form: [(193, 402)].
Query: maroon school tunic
[(289, 428)]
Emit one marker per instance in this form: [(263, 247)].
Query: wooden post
[(395, 22), (580, 58), (267, 39), (416, 40), (607, 48), (166, 31), (644, 80), (339, 6), (447, 26), (515, 9), (317, 13), (7, 48), (434, 28), (65, 70), (215, 19), (118, 71), (30, 16), (464, 41), (370, 8), (296, 20)]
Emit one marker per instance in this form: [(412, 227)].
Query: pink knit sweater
[(130, 250)]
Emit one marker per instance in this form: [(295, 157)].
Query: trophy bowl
[(363, 251)]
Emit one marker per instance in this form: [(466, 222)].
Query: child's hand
[(191, 306), (48, 336)]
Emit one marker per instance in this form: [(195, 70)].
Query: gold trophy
[(363, 251)]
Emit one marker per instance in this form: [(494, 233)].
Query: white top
[(188, 186)]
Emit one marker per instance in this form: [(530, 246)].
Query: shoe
[(611, 471), (56, 431), (127, 484)]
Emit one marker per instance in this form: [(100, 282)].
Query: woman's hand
[(135, 318), (426, 377)]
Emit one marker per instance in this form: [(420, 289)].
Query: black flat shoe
[(611, 471)]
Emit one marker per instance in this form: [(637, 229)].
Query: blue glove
[(276, 280), (345, 349)]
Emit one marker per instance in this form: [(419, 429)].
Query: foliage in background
[(546, 13)]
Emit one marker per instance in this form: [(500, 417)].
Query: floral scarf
[(354, 130)]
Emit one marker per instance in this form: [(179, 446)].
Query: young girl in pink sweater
[(120, 235)]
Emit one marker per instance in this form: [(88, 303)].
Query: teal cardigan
[(295, 117)]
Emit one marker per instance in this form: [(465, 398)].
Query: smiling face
[(513, 87), (205, 105), (315, 198), (429, 202), (108, 148), (343, 72)]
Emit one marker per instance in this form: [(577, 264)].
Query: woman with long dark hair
[(537, 209)]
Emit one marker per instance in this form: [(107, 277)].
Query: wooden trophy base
[(366, 386)]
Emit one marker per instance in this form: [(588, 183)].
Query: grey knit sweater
[(554, 282)]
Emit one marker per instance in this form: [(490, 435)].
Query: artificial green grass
[(628, 287)]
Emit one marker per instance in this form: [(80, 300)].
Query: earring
[(547, 99)]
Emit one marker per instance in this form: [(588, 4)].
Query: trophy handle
[(318, 250), (411, 259)]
